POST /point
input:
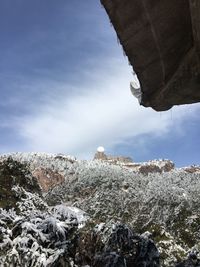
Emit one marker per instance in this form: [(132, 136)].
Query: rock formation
[(142, 167), (100, 155), (47, 178), (162, 42)]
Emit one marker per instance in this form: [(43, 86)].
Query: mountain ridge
[(146, 196)]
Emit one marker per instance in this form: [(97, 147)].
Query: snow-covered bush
[(42, 239)]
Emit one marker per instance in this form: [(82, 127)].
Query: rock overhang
[(162, 42)]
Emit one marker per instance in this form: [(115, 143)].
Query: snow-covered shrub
[(42, 239), (116, 245)]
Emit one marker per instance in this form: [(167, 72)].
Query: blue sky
[(64, 85)]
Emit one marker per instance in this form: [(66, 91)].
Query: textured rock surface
[(100, 155), (162, 42), (149, 197), (112, 159), (48, 178), (48, 170)]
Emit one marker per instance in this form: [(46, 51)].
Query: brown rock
[(47, 178), (192, 169), (162, 42), (100, 155), (120, 159), (112, 159)]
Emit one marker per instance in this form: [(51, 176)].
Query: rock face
[(100, 155), (111, 202), (47, 178), (112, 159), (142, 167), (162, 42), (47, 170)]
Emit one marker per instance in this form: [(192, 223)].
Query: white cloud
[(100, 111)]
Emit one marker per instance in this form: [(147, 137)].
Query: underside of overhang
[(161, 39)]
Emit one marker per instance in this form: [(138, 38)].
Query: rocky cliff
[(60, 211)]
